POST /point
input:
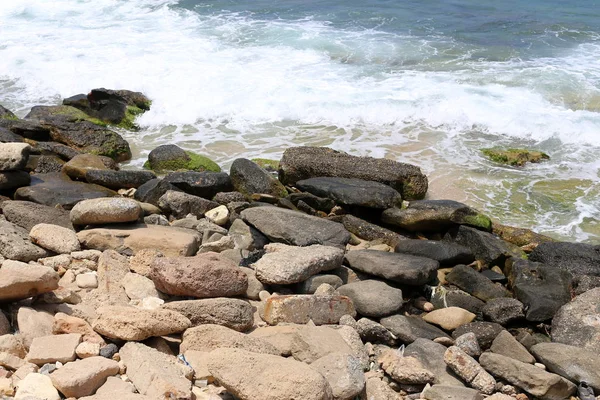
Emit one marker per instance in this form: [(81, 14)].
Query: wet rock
[(232, 313), (469, 370), (180, 204), (519, 236), (486, 332), (208, 337), (445, 392), (15, 244), (7, 136), (475, 283), (373, 298), (484, 245), (201, 184), (55, 238), (14, 179), (431, 355), (295, 228), (408, 329), (77, 167), (284, 265), (83, 377), (19, 280), (249, 178), (27, 214), (300, 163), (28, 129), (541, 288), (532, 379), (405, 369), (343, 372), (401, 268), (299, 309), (13, 156), (56, 189), (206, 275), (53, 148), (503, 310), (105, 211), (116, 180), (446, 253), (578, 323), (449, 318), (44, 164), (50, 349), (515, 157)]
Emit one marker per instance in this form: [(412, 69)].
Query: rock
[(15, 244), (201, 184), (486, 332), (170, 157), (352, 339), (254, 285), (449, 318), (9, 361), (376, 389), (105, 211), (55, 238), (232, 313), (578, 323), (180, 204), (532, 379), (12, 344), (485, 246), (28, 129), (53, 348), (280, 336), (431, 355), (79, 165), (310, 343), (503, 310), (404, 370), (583, 283), (208, 337), (541, 288), (368, 231), (116, 180), (54, 148), (13, 156), (218, 215), (373, 298), (515, 157), (20, 281), (577, 258), (408, 329), (310, 285), (115, 385), (446, 253), (56, 189), (4, 325), (32, 324), (138, 287), (249, 178), (519, 236), (299, 309), (252, 376), (26, 214), (206, 275), (573, 363), (344, 374), (352, 192), (87, 349), (6, 114), (475, 283), (155, 374), (295, 228), (44, 164), (300, 163), (130, 323), (246, 237), (445, 392), (469, 370), (7, 136), (36, 386), (10, 180), (506, 345), (151, 191), (82, 377), (435, 216), (401, 268), (469, 344), (371, 331), (283, 264), (109, 350)]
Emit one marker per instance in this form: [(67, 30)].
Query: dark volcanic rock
[(408, 329), (475, 283), (28, 129), (248, 178), (44, 164), (57, 189), (484, 245), (401, 268), (457, 298), (151, 191), (446, 253), (352, 192), (49, 148), (13, 179), (373, 298), (577, 258), (27, 214), (295, 228), (435, 216), (368, 231), (503, 310), (300, 163), (201, 184), (318, 203), (578, 323), (123, 179), (543, 289), (485, 332), (180, 204), (583, 283), (169, 157), (7, 136)]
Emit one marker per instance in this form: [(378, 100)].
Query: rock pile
[(336, 280)]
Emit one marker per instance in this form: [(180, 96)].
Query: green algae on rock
[(173, 158), (266, 163), (515, 157)]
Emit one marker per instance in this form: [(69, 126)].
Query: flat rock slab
[(261, 376), (180, 204), (446, 253), (16, 245), (83, 377), (50, 349), (296, 228), (57, 189), (206, 275), (578, 323), (202, 184), (105, 211), (577, 258), (155, 374), (300, 163), (209, 337), (131, 239), (236, 314), (401, 268), (476, 284), (352, 192), (445, 392), (299, 309), (373, 298), (409, 329), (115, 180), (27, 214), (284, 265), (20, 281), (310, 343)]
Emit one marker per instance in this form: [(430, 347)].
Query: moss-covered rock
[(5, 113), (57, 114), (266, 163), (515, 157), (519, 236), (173, 158)]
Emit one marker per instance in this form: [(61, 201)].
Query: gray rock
[(583, 283), (530, 378), (229, 197), (7, 136), (431, 355), (371, 331), (295, 228), (506, 345), (27, 214), (469, 370), (284, 265), (373, 298), (151, 191), (254, 285), (310, 285), (44, 164), (570, 362), (475, 283), (368, 231), (443, 297), (249, 178), (55, 238), (577, 323), (486, 332), (14, 179), (343, 372), (503, 310), (401, 268), (77, 167), (105, 211), (246, 237), (408, 329), (232, 313), (486, 247), (201, 184), (180, 204), (156, 219), (115, 180), (15, 244), (577, 258), (445, 392), (446, 253), (300, 163)]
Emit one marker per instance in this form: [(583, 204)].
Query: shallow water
[(425, 82)]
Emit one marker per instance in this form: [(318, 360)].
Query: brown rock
[(77, 167), (233, 313), (209, 337), (299, 309), (82, 377), (313, 342), (19, 280), (449, 318), (64, 323), (405, 370), (33, 323)]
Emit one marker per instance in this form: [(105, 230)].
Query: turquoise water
[(425, 82)]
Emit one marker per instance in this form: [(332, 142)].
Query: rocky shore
[(332, 278)]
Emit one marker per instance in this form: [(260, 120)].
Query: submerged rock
[(170, 157), (515, 157)]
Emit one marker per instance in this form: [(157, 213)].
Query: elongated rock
[(19, 280), (233, 313), (373, 298), (299, 309), (209, 337), (446, 253), (82, 377), (468, 369), (475, 283), (105, 211)]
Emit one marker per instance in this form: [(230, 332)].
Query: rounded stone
[(55, 238), (373, 298), (105, 210)]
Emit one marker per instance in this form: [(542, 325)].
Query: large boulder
[(295, 228), (27, 214), (55, 238), (27, 129), (16, 245), (373, 298), (19, 280), (402, 268), (577, 323), (170, 157), (249, 178), (300, 163), (577, 258)]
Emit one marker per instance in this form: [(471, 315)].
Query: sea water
[(426, 82)]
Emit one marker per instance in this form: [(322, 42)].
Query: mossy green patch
[(11, 117), (267, 164), (478, 220), (74, 115), (196, 162), (515, 157), (128, 122), (202, 163)]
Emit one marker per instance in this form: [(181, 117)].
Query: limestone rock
[(105, 211), (405, 370), (232, 313), (13, 156), (36, 386), (27, 214), (32, 323), (19, 280), (309, 343), (55, 238), (138, 287), (209, 337), (344, 374), (449, 318), (82, 377), (444, 392), (299, 309), (49, 349)]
